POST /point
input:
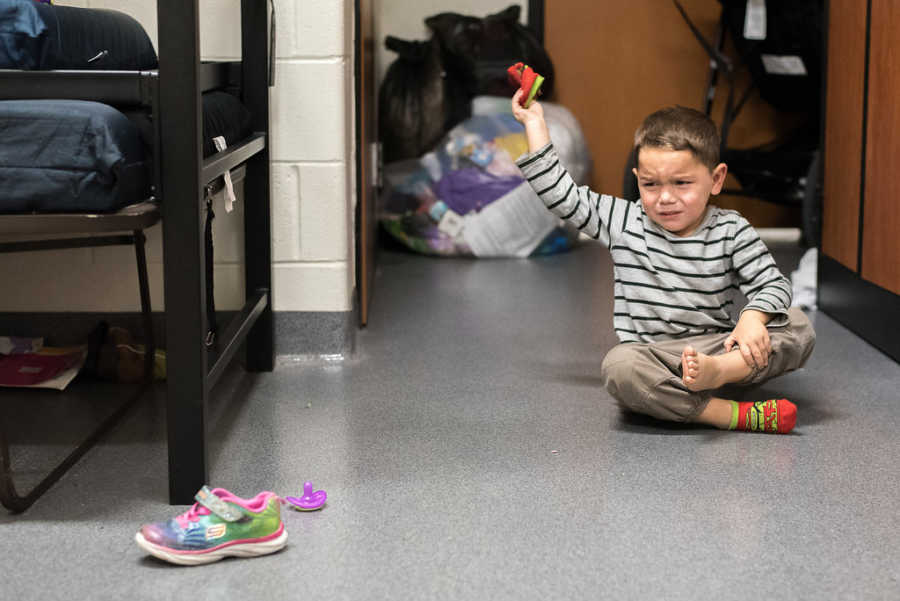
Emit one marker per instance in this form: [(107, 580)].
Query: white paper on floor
[(804, 281), (511, 226)]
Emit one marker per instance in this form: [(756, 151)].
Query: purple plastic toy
[(310, 501)]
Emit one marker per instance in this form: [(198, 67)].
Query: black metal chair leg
[(146, 310), (8, 496)]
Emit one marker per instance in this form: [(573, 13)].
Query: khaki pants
[(646, 378)]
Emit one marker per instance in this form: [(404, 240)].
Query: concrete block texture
[(220, 29), (42, 285), (75, 3), (285, 212), (70, 285), (307, 111), (311, 29), (309, 212), (323, 211), (312, 287), (142, 10), (220, 26)]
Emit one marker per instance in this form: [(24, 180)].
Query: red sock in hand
[(776, 416)]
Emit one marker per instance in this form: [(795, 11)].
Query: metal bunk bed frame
[(172, 95)]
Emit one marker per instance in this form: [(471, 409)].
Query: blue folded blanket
[(46, 36), (61, 156)]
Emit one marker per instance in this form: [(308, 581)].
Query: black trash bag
[(477, 51), (413, 103), (429, 87)]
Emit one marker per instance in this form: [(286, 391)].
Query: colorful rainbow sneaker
[(218, 525)]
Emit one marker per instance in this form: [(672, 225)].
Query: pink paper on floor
[(48, 368)]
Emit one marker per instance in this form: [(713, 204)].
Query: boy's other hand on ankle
[(751, 337)]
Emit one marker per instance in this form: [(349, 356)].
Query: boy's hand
[(523, 115), (533, 119), (752, 338)]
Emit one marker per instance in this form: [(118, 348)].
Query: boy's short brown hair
[(680, 128)]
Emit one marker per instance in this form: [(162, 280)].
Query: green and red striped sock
[(775, 416)]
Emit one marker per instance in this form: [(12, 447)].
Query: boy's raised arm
[(533, 119), (602, 217)]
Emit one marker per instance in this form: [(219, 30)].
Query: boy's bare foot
[(699, 371), (706, 372)]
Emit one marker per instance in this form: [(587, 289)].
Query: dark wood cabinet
[(859, 265)]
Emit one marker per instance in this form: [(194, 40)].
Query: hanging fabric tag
[(230, 198), (755, 20)]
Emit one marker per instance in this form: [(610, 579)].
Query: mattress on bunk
[(223, 115), (45, 36), (60, 156)]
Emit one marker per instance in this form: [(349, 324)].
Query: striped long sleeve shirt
[(666, 286)]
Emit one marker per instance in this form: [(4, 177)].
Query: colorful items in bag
[(467, 197), (524, 77), (218, 525), (472, 189)]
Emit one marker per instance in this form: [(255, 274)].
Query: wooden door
[(859, 266), (366, 156), (617, 62), (881, 216), (844, 131)]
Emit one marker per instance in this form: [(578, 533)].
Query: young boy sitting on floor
[(679, 264)]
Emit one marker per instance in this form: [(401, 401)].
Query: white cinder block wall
[(313, 190)]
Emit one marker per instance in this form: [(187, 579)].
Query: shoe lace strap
[(192, 515), (208, 502)]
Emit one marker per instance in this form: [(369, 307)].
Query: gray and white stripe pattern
[(666, 286)]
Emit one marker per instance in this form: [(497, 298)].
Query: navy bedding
[(79, 156), (223, 115), (44, 36), (69, 156)]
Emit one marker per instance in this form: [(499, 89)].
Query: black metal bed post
[(184, 250), (257, 227)]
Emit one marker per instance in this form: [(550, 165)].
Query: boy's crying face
[(675, 187)]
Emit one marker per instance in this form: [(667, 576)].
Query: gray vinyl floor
[(469, 452)]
